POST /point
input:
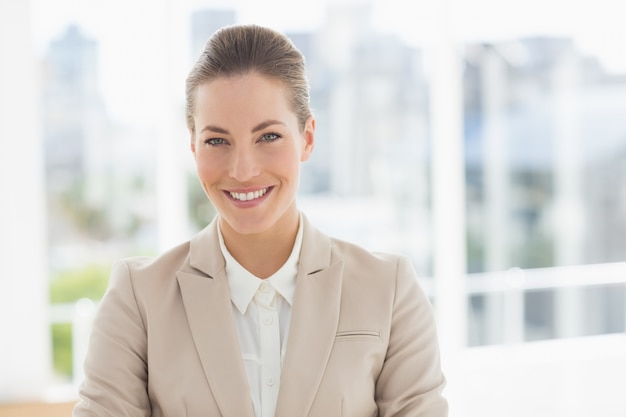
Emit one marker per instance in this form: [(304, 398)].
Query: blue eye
[(270, 137), (215, 141)]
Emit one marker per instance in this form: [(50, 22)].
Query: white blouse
[(262, 311)]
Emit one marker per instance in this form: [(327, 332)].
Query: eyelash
[(211, 141), (222, 141), (275, 135)]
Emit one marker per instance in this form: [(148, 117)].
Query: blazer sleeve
[(411, 381), (116, 364)]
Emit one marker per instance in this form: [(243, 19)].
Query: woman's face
[(248, 148)]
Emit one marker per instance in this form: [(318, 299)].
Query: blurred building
[(543, 119), (372, 89), (545, 149), (76, 131), (98, 175), (370, 97), (72, 107)]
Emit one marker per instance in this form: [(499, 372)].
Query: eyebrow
[(215, 129), (266, 124), (255, 129)]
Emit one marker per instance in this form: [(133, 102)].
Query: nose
[(244, 165)]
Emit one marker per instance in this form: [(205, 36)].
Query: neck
[(263, 253)]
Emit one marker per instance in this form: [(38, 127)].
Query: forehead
[(242, 101), (246, 88)]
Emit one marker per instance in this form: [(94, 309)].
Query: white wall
[(24, 331)]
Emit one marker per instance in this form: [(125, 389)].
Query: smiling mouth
[(252, 195)]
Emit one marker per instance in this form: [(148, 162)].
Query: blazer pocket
[(350, 335)]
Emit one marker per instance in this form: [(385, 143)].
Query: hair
[(242, 49)]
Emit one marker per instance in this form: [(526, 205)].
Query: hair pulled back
[(243, 49)]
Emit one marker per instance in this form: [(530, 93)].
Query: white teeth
[(248, 196)]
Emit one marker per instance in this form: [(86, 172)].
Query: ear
[(192, 142), (309, 139)]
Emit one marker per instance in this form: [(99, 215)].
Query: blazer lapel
[(206, 297), (313, 325)]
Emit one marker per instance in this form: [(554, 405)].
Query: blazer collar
[(206, 297), (314, 321), (205, 255), (204, 251), (316, 249)]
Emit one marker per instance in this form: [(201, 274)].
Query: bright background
[(485, 139)]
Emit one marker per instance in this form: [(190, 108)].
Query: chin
[(249, 225)]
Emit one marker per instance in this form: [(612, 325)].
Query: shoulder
[(187, 256), (375, 274), (350, 252), (170, 260), (149, 273), (321, 250)]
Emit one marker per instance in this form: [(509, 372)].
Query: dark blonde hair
[(242, 49)]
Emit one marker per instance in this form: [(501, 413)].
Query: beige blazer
[(362, 340)]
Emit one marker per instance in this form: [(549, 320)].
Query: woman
[(260, 314)]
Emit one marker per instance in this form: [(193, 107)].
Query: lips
[(250, 195)]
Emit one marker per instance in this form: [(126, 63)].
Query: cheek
[(205, 169), (291, 168), (284, 159)]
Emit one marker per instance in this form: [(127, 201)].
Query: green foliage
[(85, 218), (62, 349), (88, 282), (67, 287)]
